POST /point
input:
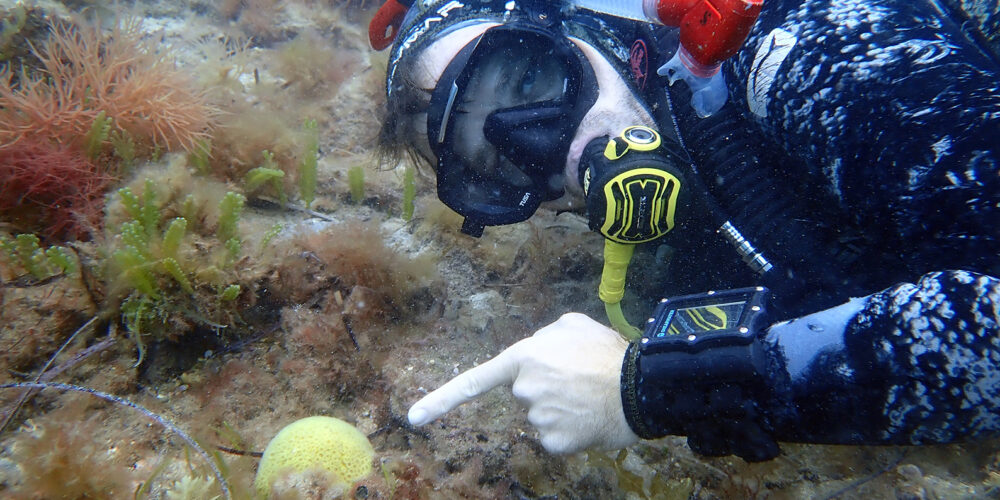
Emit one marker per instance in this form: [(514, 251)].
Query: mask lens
[(509, 70), (501, 120)]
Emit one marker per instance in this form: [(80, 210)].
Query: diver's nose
[(524, 133)]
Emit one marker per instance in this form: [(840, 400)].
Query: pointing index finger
[(466, 386)]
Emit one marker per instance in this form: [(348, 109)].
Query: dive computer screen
[(717, 318), (705, 318)]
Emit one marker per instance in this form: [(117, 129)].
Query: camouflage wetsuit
[(859, 151)]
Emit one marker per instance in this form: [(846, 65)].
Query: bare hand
[(568, 374)]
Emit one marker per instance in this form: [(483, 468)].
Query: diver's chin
[(605, 119), (568, 202)]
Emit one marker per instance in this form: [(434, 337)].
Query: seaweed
[(271, 233), (268, 174), (409, 192), (160, 279), (26, 256), (50, 188), (118, 76), (229, 213), (356, 180), (213, 465), (307, 169), (644, 486), (229, 293), (99, 130), (124, 147), (200, 155)]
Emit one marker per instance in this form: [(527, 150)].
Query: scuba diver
[(824, 173)]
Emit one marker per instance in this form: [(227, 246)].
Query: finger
[(559, 444), (466, 386)]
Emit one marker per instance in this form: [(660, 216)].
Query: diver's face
[(516, 76)]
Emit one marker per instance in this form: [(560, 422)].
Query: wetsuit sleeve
[(913, 364), (931, 351), (894, 112), (894, 106), (860, 148), (916, 363)]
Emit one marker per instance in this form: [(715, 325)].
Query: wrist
[(710, 396), (630, 396)]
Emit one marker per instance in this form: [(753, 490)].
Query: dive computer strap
[(709, 396)]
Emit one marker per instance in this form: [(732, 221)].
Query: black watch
[(699, 371)]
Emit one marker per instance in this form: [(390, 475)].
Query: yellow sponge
[(319, 443)]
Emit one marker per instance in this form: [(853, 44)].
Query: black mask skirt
[(501, 120)]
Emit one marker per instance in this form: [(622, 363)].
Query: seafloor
[(348, 309)]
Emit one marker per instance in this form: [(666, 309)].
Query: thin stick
[(291, 206), (859, 482), (27, 394), (244, 453), (63, 347), (141, 409), (350, 331)]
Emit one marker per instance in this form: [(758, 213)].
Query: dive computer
[(695, 322), (700, 370)]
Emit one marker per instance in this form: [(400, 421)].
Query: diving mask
[(501, 120)]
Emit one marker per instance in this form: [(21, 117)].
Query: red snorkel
[(384, 27), (711, 30)]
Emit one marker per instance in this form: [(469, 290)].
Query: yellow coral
[(317, 443)]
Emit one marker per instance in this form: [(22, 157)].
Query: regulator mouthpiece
[(632, 189), (632, 193)]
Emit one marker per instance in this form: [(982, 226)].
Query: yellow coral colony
[(324, 444)]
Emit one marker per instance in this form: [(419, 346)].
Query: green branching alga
[(409, 192), (356, 180), (268, 174), (164, 275), (26, 256)]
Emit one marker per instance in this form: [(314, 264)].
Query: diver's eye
[(527, 81)]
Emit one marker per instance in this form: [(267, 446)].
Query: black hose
[(751, 191)]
